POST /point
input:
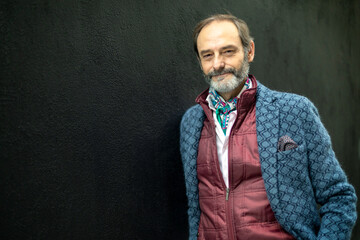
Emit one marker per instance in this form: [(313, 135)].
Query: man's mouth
[(220, 77)]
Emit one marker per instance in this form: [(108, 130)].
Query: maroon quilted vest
[(242, 211)]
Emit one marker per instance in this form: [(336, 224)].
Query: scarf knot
[(223, 107)]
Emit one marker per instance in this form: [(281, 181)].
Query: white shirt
[(222, 141)]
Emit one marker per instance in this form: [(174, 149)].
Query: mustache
[(223, 71)]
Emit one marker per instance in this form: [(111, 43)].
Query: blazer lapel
[(267, 128)]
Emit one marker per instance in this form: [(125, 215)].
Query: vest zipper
[(227, 202), (228, 213), (231, 230)]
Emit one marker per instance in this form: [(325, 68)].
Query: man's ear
[(251, 53)]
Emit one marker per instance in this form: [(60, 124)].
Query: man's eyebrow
[(205, 51), (225, 47), (228, 46)]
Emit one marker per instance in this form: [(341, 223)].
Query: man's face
[(222, 57)]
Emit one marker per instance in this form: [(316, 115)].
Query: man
[(258, 163)]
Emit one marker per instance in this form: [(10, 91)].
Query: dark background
[(92, 93)]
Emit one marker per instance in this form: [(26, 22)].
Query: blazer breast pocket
[(297, 154), (293, 164)]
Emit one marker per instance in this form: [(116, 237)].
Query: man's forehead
[(218, 31), (219, 25)]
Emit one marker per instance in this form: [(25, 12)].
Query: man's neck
[(234, 93)]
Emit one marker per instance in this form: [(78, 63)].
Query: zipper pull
[(227, 193)]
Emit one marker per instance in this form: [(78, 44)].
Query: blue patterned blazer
[(307, 189)]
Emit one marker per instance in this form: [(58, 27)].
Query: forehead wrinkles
[(218, 34)]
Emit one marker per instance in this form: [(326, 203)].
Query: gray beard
[(232, 83)]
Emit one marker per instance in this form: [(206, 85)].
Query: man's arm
[(332, 190), (190, 131)]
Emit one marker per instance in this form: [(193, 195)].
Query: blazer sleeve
[(190, 131), (332, 191)]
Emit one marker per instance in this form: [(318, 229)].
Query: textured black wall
[(92, 93)]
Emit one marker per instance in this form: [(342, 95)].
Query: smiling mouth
[(221, 76)]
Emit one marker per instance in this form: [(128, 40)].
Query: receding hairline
[(217, 21)]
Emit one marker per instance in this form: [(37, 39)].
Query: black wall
[(92, 92)]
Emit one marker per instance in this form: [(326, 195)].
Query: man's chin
[(222, 89), (225, 86)]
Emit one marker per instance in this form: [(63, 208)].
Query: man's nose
[(218, 63)]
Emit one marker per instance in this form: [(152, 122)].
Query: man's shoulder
[(194, 112), (286, 99), (193, 117), (283, 98), (190, 129)]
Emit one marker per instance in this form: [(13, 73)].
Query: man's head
[(224, 48)]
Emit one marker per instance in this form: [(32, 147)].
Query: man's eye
[(206, 56), (228, 52)]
